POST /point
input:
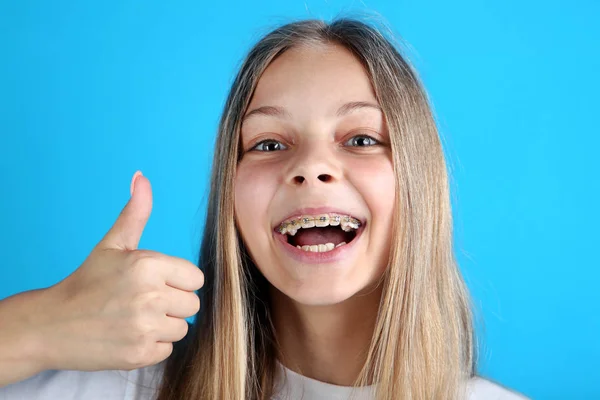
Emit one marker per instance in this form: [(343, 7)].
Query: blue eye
[(270, 144), (363, 141)]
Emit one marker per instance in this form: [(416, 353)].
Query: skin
[(323, 314)]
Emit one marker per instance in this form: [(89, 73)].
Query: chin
[(319, 294)]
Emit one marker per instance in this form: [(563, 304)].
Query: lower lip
[(309, 257)]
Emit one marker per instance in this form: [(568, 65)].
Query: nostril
[(324, 177)]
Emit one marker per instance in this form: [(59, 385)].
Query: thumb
[(127, 230)]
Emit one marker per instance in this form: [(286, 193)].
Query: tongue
[(328, 234)]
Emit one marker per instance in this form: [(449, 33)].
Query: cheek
[(252, 191), (375, 180), (245, 190), (376, 183)]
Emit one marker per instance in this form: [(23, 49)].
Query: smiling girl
[(327, 253)]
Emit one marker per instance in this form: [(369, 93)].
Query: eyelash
[(376, 142)]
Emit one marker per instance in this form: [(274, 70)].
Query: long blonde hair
[(423, 342)]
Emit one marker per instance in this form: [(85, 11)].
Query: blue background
[(89, 93)]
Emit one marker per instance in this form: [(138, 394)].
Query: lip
[(319, 210), (309, 257)]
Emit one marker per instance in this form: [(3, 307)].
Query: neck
[(327, 343)]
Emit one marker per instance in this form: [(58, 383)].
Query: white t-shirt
[(141, 384)]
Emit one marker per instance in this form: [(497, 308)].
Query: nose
[(313, 165)]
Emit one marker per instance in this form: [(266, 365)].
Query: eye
[(362, 141), (268, 145)]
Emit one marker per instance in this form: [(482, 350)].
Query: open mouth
[(325, 235), (321, 233)]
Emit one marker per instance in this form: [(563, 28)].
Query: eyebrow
[(280, 112)]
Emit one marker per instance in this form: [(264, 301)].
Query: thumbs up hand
[(123, 307)]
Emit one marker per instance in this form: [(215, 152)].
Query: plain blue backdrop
[(92, 91)]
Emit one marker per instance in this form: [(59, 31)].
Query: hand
[(123, 307)]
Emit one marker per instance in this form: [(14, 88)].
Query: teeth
[(320, 248), (334, 220), (291, 226), (349, 223), (307, 222), (322, 220)]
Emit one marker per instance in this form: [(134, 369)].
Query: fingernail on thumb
[(135, 177)]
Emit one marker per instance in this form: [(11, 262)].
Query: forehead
[(312, 81)]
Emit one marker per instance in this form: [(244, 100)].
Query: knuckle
[(143, 269), (138, 356), (149, 301), (139, 259), (142, 260), (142, 328)]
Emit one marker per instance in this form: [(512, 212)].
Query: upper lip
[(320, 210)]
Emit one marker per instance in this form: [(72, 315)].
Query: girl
[(327, 251)]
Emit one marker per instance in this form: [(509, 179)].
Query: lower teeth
[(320, 248)]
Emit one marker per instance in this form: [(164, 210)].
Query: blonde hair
[(423, 341)]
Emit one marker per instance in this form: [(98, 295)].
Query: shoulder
[(90, 385), (480, 388)]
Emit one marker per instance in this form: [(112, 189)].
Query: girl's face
[(305, 152)]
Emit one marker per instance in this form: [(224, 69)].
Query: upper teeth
[(291, 226)]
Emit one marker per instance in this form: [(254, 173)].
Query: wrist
[(21, 346), (34, 338)]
